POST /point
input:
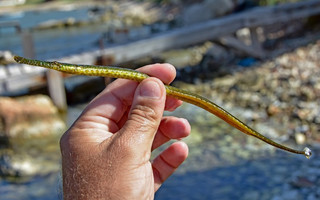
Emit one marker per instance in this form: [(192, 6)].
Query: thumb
[(145, 116)]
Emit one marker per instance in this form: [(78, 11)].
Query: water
[(52, 43), (37, 188), (86, 36), (30, 19)]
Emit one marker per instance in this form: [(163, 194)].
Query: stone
[(25, 165), (214, 61), (6, 57), (300, 138), (273, 109), (29, 116), (302, 182), (30, 128)]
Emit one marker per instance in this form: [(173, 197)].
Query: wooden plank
[(32, 69), (24, 81), (255, 42), (56, 89), (210, 30), (14, 70), (3, 73), (17, 77), (28, 44), (237, 44), (198, 33)]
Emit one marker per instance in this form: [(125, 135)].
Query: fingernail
[(150, 89)]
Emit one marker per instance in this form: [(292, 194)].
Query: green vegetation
[(29, 2), (274, 2)]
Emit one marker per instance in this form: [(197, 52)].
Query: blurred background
[(258, 59)]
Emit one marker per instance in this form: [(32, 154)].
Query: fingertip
[(170, 68), (151, 88), (164, 71), (187, 126), (172, 103), (180, 150), (175, 128), (145, 114), (171, 128), (183, 128), (168, 161)]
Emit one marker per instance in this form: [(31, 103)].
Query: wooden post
[(27, 44), (56, 89), (255, 42)]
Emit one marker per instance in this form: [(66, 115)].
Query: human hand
[(106, 152)]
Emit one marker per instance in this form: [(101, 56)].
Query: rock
[(300, 138), (30, 130), (214, 62), (273, 109), (6, 57), (29, 116), (53, 24), (185, 57), (24, 166), (301, 182)]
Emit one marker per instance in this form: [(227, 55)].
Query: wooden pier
[(17, 77)]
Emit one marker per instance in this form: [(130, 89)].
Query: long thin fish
[(115, 72)]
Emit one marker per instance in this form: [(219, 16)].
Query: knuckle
[(63, 141), (144, 115)]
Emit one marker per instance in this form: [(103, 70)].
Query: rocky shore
[(285, 90), (279, 98)]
